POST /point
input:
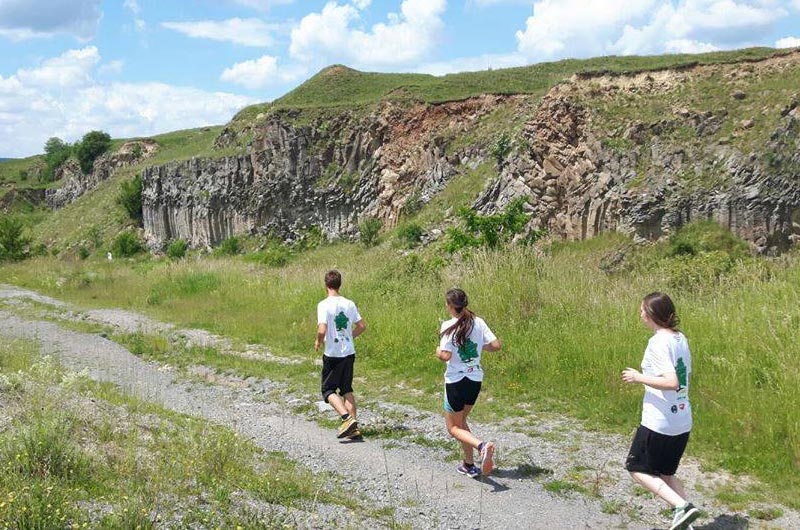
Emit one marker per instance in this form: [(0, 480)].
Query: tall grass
[(568, 329)]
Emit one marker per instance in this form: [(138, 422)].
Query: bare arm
[(667, 381), (493, 346), (322, 329), (359, 328), (443, 355)]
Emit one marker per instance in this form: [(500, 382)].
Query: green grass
[(339, 86), (568, 330), (75, 445)]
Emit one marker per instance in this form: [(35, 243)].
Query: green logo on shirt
[(341, 321), (680, 371), (468, 351)]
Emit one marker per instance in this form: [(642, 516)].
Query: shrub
[(410, 234), (501, 148), (489, 230), (229, 247), (130, 198), (275, 255), (23, 175), (93, 144), (177, 249), (413, 204), (126, 244), (369, 230), (83, 252), (13, 241), (137, 150), (313, 237), (706, 236)]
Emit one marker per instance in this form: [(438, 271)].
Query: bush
[(13, 241), (23, 175), (177, 249), (313, 237), (706, 236), (413, 204), (130, 198), (274, 256), (369, 230), (93, 144), (126, 244), (489, 230), (229, 247), (410, 234), (83, 252)]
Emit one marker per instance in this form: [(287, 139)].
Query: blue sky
[(142, 67)]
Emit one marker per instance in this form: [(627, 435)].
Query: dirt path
[(417, 481)]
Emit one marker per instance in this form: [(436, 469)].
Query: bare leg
[(455, 426), (350, 404), (659, 487), (675, 483), (469, 451), (335, 401)]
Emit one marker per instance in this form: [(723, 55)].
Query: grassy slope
[(340, 86)]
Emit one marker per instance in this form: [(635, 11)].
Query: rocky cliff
[(641, 153)]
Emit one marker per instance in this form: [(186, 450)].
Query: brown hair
[(457, 299), (333, 280), (661, 310)]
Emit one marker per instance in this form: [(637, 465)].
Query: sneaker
[(347, 427), (355, 436), (684, 516), (470, 470), (487, 454)]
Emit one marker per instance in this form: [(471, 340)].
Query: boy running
[(338, 323)]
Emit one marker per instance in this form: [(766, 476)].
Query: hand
[(630, 375), (316, 345)]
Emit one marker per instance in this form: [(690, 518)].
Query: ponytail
[(457, 299)]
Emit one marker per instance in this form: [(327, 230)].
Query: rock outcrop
[(76, 183), (581, 169)]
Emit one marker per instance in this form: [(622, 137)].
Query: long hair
[(457, 299), (661, 310)]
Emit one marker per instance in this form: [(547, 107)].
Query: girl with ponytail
[(461, 341)]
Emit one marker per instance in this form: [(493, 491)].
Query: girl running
[(462, 338), (666, 414)]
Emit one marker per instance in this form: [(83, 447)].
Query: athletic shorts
[(655, 453), (337, 374), (461, 393)]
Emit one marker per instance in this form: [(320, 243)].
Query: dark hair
[(333, 280), (661, 310), (457, 299)]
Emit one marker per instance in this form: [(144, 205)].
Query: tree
[(93, 144), (12, 239), (468, 351), (56, 152)]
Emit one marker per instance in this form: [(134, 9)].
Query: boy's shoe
[(356, 435), (347, 427), (684, 516), (487, 454), (471, 470)]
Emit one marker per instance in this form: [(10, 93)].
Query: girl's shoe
[(487, 454), (347, 427), (471, 470)]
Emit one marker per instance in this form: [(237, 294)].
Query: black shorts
[(461, 393), (655, 453), (337, 374)]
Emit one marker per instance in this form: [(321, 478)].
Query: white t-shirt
[(465, 361), (339, 314), (667, 411)]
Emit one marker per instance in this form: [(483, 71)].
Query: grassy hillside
[(339, 86)]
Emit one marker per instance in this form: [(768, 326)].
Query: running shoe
[(487, 454), (684, 516), (470, 470), (355, 436), (347, 427)]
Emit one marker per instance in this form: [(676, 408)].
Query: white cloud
[(24, 19), (473, 64), (788, 42), (244, 31), (561, 28), (335, 35), (60, 97), (260, 73), (111, 67), (136, 11)]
